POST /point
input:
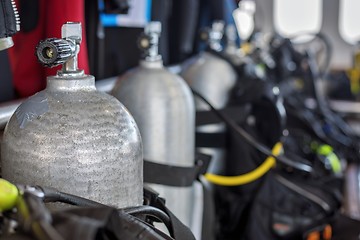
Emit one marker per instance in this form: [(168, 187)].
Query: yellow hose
[(247, 177), (9, 195)]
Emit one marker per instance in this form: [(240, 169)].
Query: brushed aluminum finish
[(163, 107), (212, 77), (85, 143), (6, 111)]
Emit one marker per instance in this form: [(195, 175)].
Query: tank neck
[(231, 37), (215, 35), (158, 64), (70, 84), (152, 54), (149, 42)]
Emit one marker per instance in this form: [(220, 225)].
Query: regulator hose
[(247, 137), (247, 177), (149, 211), (53, 195), (28, 202)]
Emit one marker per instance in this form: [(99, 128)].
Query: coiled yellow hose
[(250, 176)]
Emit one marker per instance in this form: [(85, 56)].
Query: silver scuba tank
[(163, 107), (72, 137), (212, 77)]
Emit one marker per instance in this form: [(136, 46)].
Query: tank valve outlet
[(63, 51), (149, 41), (214, 35)]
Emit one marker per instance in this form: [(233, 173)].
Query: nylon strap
[(209, 117), (173, 175), (211, 140), (217, 139)]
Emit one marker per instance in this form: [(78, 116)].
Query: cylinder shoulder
[(208, 64), (46, 110), (158, 82)]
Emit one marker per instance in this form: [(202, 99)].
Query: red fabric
[(29, 76)]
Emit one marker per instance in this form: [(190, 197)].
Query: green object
[(328, 152), (8, 195)]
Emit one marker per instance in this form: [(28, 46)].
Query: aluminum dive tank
[(213, 78), (163, 107), (72, 137)]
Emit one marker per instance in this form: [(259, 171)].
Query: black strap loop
[(217, 139), (211, 140), (173, 175), (237, 113)]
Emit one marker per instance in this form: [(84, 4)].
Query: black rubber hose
[(150, 211), (53, 195), (247, 137)]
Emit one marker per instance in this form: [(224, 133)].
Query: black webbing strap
[(173, 175), (211, 140), (178, 230), (237, 113), (217, 139)]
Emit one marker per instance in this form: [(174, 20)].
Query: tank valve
[(231, 35), (213, 35), (149, 41), (62, 51)]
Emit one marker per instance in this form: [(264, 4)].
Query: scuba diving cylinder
[(72, 137), (213, 78), (163, 107)]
